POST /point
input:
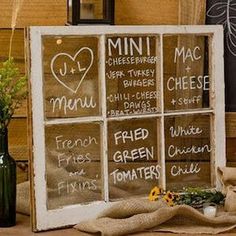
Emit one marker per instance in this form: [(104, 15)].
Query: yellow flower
[(176, 196), (169, 201), (154, 194), (170, 195), (169, 198)]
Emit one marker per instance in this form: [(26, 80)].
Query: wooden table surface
[(23, 229)]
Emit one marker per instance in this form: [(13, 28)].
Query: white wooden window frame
[(44, 219)]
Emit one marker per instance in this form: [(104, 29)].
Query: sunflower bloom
[(154, 194), (170, 195), (169, 198)]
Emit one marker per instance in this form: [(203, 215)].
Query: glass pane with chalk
[(188, 151), (132, 75), (134, 157), (71, 78), (73, 164), (187, 79)]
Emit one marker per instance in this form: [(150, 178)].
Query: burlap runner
[(230, 200), (227, 176), (23, 198), (137, 215)]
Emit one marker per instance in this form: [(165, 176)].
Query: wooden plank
[(34, 12), (230, 119), (43, 12), (192, 12), (17, 47), (231, 149), (18, 146), (146, 12), (170, 12), (231, 164)]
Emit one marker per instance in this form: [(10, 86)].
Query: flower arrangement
[(12, 91), (194, 197), (158, 193)]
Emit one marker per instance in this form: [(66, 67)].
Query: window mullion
[(162, 128), (104, 154)]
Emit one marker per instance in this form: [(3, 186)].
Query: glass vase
[(7, 183)]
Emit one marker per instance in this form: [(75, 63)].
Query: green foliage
[(196, 197), (12, 91)]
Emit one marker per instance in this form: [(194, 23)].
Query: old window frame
[(44, 219)]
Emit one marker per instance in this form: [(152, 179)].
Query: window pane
[(73, 164), (92, 9), (188, 151), (71, 83), (133, 153), (132, 75), (186, 72)]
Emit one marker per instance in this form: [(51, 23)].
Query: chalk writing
[(139, 83), (127, 46), (188, 83), (183, 131), (175, 151), (141, 73), (134, 154), (131, 61), (77, 173), (186, 101), (146, 173), (117, 61), (132, 135), (65, 159), (73, 152), (68, 187), (187, 144), (65, 104), (185, 54), (115, 74), (144, 108), (82, 71), (192, 168), (63, 143)]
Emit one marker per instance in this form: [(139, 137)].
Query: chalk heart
[(66, 68)]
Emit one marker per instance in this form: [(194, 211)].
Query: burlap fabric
[(23, 198), (137, 215), (230, 200), (227, 176)]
